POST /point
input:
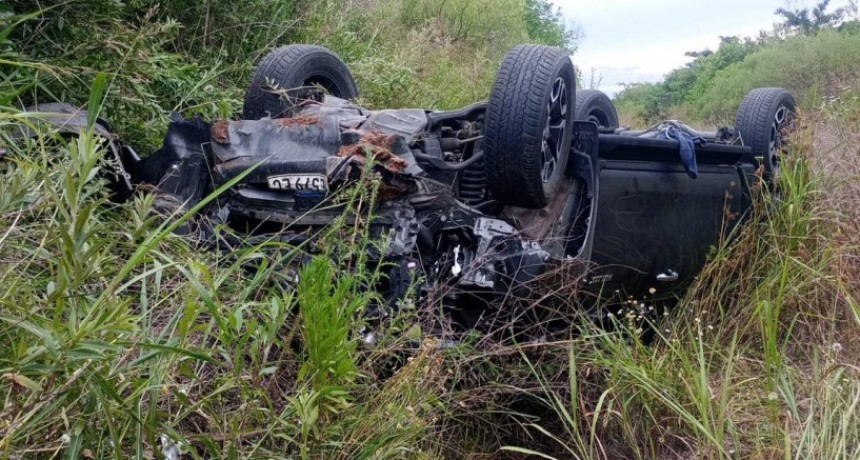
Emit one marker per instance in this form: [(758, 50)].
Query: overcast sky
[(641, 40)]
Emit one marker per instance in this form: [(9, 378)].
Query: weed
[(121, 339)]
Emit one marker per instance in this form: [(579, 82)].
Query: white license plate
[(299, 182)]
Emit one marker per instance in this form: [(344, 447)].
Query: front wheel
[(528, 125)]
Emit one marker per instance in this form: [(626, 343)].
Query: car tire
[(595, 106), (295, 66), (763, 120), (528, 125)]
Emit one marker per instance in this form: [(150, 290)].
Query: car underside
[(484, 200)]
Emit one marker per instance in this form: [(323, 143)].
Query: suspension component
[(473, 184)]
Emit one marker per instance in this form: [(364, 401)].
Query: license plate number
[(299, 182)]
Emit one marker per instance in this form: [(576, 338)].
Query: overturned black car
[(484, 199)]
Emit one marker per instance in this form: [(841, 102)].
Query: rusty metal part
[(221, 132), (376, 146), (305, 120)]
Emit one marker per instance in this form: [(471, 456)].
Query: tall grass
[(753, 365), (123, 340), (197, 57)]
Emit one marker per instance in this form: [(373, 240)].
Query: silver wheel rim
[(554, 130), (774, 151)]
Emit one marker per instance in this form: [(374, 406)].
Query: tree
[(545, 24), (807, 21), (698, 54)]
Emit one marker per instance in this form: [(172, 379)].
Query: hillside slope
[(120, 339), (816, 68)]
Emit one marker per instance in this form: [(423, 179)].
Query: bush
[(709, 90), (808, 66)]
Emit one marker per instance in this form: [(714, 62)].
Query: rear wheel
[(764, 119), (595, 106), (528, 125), (295, 66)]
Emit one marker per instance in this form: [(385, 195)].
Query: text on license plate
[(299, 182)]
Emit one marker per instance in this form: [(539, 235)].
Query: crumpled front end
[(286, 175)]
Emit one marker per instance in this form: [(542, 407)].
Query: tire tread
[(755, 116), (514, 123), (590, 99), (286, 65)]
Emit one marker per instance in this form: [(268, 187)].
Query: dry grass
[(117, 333), (759, 361)]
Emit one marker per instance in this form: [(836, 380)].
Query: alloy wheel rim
[(554, 129), (774, 153)]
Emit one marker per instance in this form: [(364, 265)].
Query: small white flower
[(169, 449), (836, 347), (65, 438)]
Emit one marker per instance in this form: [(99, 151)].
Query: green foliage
[(149, 80), (329, 312), (420, 53), (546, 25), (750, 312), (850, 27), (824, 64), (649, 103), (642, 103), (807, 21), (710, 88), (196, 57), (121, 338), (120, 334)]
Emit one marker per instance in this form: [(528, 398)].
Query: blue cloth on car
[(687, 147)]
